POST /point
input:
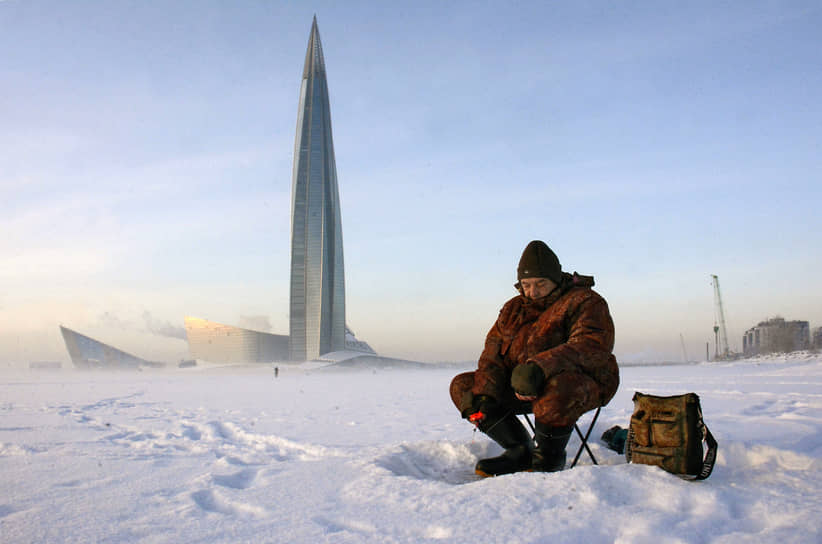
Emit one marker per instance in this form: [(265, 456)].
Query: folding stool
[(583, 438)]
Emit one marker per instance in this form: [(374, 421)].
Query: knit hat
[(538, 261)]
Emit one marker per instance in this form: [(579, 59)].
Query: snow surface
[(194, 455)]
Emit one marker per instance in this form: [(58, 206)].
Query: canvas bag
[(668, 432)]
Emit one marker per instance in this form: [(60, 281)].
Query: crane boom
[(719, 317)]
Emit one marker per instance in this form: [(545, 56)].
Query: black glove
[(481, 404), (528, 379)]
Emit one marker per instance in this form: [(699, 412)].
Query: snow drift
[(194, 455)]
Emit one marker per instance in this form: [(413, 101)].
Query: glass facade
[(317, 294), (220, 343), (88, 353)]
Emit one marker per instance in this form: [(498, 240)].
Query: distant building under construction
[(776, 336)]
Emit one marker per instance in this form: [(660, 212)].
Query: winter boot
[(549, 455), (509, 433)]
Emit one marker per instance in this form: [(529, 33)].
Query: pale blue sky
[(146, 148)]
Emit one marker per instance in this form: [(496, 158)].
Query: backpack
[(668, 432)]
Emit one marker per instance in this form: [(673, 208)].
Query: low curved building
[(88, 353), (219, 343)]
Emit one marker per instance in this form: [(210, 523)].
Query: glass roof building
[(317, 293), (88, 353), (221, 343)]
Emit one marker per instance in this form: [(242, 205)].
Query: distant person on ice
[(549, 353)]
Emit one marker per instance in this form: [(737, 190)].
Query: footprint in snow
[(6, 510), (211, 501), (239, 480)]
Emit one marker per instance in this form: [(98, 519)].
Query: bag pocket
[(666, 430), (640, 429), (647, 458)]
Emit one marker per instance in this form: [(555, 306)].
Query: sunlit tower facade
[(317, 295)]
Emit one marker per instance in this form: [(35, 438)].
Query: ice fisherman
[(550, 353)]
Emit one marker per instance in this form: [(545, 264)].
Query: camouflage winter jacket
[(568, 330)]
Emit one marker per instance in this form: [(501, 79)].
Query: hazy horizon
[(146, 153)]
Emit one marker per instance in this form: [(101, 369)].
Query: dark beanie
[(538, 261)]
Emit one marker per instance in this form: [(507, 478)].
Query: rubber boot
[(509, 433), (549, 455)]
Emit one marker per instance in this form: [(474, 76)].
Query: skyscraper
[(317, 297)]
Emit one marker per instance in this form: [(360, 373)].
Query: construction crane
[(720, 331)]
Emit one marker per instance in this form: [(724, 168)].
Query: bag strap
[(710, 455)]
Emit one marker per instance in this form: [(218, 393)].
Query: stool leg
[(528, 419), (585, 440)]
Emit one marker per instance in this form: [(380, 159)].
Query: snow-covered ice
[(217, 455)]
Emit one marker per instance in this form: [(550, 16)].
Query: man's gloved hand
[(527, 381), (481, 407)]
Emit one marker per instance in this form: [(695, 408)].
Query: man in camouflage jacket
[(549, 353)]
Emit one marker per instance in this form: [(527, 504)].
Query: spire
[(314, 61)]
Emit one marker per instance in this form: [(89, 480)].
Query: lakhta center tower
[(317, 298), (317, 327)]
